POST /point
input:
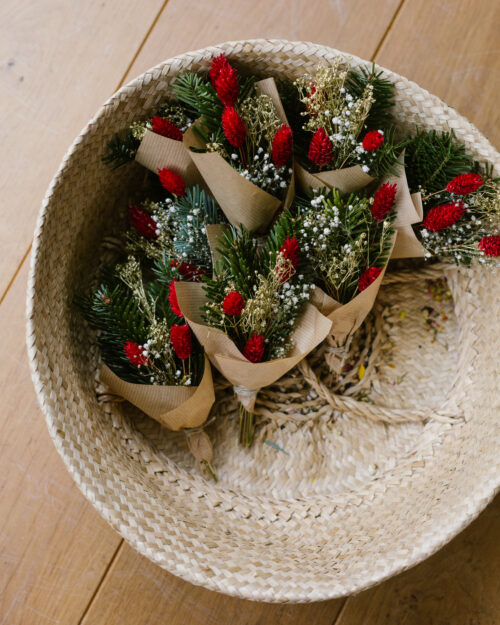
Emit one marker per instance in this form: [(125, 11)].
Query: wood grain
[(451, 48), (58, 62), (54, 547), (460, 585)]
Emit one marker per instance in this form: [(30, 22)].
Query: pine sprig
[(121, 149), (380, 114)]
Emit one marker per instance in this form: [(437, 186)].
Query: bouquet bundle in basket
[(224, 265)]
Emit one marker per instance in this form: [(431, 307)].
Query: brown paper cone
[(311, 329), (214, 236), (409, 210), (156, 152), (346, 180), (346, 318), (175, 407)]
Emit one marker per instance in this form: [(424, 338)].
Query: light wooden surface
[(59, 561)]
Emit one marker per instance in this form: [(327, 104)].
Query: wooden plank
[(136, 591), (54, 547), (59, 62), (355, 26), (451, 48), (460, 585)]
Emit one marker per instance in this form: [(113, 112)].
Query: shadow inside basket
[(303, 446)]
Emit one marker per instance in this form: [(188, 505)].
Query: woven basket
[(333, 505)]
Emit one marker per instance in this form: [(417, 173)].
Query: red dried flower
[(282, 146), (143, 222), (383, 201), (443, 216), (373, 140), (368, 276), (233, 127), (217, 64), (290, 250), (233, 304), (490, 245), (135, 353), (255, 348), (226, 85), (182, 340), (172, 298), (320, 148), (188, 270), (172, 182), (465, 184), (166, 128)]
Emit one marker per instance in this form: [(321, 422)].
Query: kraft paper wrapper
[(311, 329), (243, 203), (156, 152), (409, 210), (346, 180), (346, 318), (175, 407), (214, 234)]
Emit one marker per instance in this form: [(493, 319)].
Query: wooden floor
[(59, 60)]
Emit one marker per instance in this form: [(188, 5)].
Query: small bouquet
[(155, 143), (348, 240), (461, 201), (241, 143), (149, 354), (346, 140), (253, 316)]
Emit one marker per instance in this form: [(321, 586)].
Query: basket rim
[(479, 498)]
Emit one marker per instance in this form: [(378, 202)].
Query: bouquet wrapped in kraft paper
[(349, 239), (241, 143)]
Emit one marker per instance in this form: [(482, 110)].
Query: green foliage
[(121, 149), (380, 114)]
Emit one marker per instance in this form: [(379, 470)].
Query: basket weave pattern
[(354, 501)]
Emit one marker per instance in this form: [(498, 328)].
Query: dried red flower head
[(443, 216), (172, 182), (255, 348), (368, 276), (465, 184), (135, 354), (166, 128), (226, 85), (383, 201), (182, 341), (282, 146), (320, 148), (143, 222), (187, 270), (290, 250), (490, 245), (217, 64), (373, 140), (233, 304), (172, 298), (233, 127)]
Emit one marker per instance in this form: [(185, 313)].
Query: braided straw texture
[(336, 503)]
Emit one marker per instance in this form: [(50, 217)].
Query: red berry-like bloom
[(290, 250), (226, 85), (320, 148), (383, 201), (443, 216), (217, 64), (373, 140), (182, 341), (172, 298), (255, 348), (368, 276), (166, 128), (172, 182), (465, 184), (233, 127), (233, 304), (187, 270), (490, 245), (135, 354), (282, 146), (143, 222)]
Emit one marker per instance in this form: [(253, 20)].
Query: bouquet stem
[(246, 428)]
